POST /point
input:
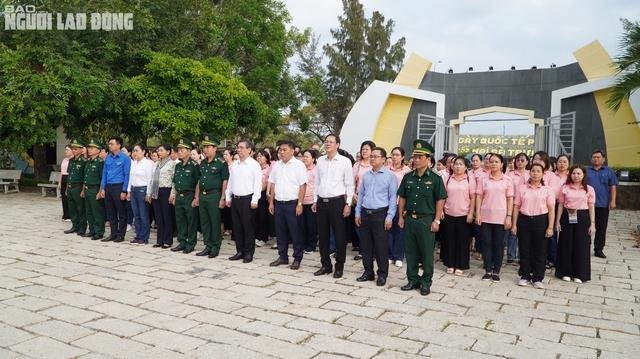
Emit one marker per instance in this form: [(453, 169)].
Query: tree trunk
[(40, 161)]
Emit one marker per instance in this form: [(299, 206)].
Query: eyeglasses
[(395, 155)]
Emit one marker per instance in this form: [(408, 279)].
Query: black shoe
[(213, 254), (70, 230), (187, 250), (87, 235), (598, 253), (110, 238), (357, 258), (509, 260), (410, 286), (337, 273), (248, 258), (355, 249), (157, 245), (425, 291), (381, 281), (203, 253), (81, 233), (96, 237), (236, 256), (178, 248), (119, 239), (365, 278), (323, 271)]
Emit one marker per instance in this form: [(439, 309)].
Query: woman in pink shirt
[(458, 217), (309, 228), (227, 226), (562, 169), (494, 206), (533, 218), (476, 171), (576, 220), (262, 227), (62, 182), (396, 234), (521, 161), (359, 169)]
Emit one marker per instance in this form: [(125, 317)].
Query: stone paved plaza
[(62, 296)]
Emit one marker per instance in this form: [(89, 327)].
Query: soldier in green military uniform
[(185, 181), (214, 173), (421, 202), (75, 189), (92, 179)]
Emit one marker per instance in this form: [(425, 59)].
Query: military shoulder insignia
[(437, 173), (409, 173), (100, 159), (194, 163)]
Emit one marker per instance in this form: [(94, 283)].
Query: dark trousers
[(418, 248), (288, 229), (164, 217), (533, 246), (94, 207), (63, 196), (210, 220), (396, 240), (602, 220), (309, 228), (116, 209), (455, 242), (244, 219), (330, 214), (262, 218), (77, 210), (373, 237), (493, 247), (187, 221), (574, 243), (352, 230)]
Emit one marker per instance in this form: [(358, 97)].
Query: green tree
[(627, 66), (182, 97), (361, 54)]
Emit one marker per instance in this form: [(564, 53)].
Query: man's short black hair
[(383, 152), (289, 143), (248, 144), (118, 140), (598, 151), (334, 136)]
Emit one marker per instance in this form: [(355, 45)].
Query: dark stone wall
[(628, 197), (589, 133)]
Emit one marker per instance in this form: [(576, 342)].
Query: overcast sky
[(479, 34)]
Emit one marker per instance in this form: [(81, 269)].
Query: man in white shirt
[(332, 194), (242, 195), (288, 179)]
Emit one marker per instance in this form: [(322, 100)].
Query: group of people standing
[(388, 210)]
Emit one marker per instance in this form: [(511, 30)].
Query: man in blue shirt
[(604, 182), (115, 179), (374, 215)]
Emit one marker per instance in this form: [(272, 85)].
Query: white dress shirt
[(245, 178), (333, 178), (288, 178), (140, 173)]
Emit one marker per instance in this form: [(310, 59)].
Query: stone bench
[(53, 178), (10, 178)]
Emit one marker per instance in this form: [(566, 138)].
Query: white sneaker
[(577, 280), (260, 243), (390, 261), (129, 227), (398, 264), (566, 279), (199, 235)]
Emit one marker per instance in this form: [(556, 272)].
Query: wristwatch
[(299, 203), (437, 221)]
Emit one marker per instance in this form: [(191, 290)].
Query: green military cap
[(93, 142), (422, 147), (209, 140), (77, 142), (185, 142)]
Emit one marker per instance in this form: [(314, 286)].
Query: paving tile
[(30, 303), (279, 348), (119, 311), (219, 334), (46, 348), (341, 346), (162, 321), (274, 331), (59, 330), (19, 317), (230, 321), (71, 314), (169, 340), (112, 345), (121, 328), (10, 335), (225, 351)]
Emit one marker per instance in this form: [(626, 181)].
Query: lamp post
[(434, 66)]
